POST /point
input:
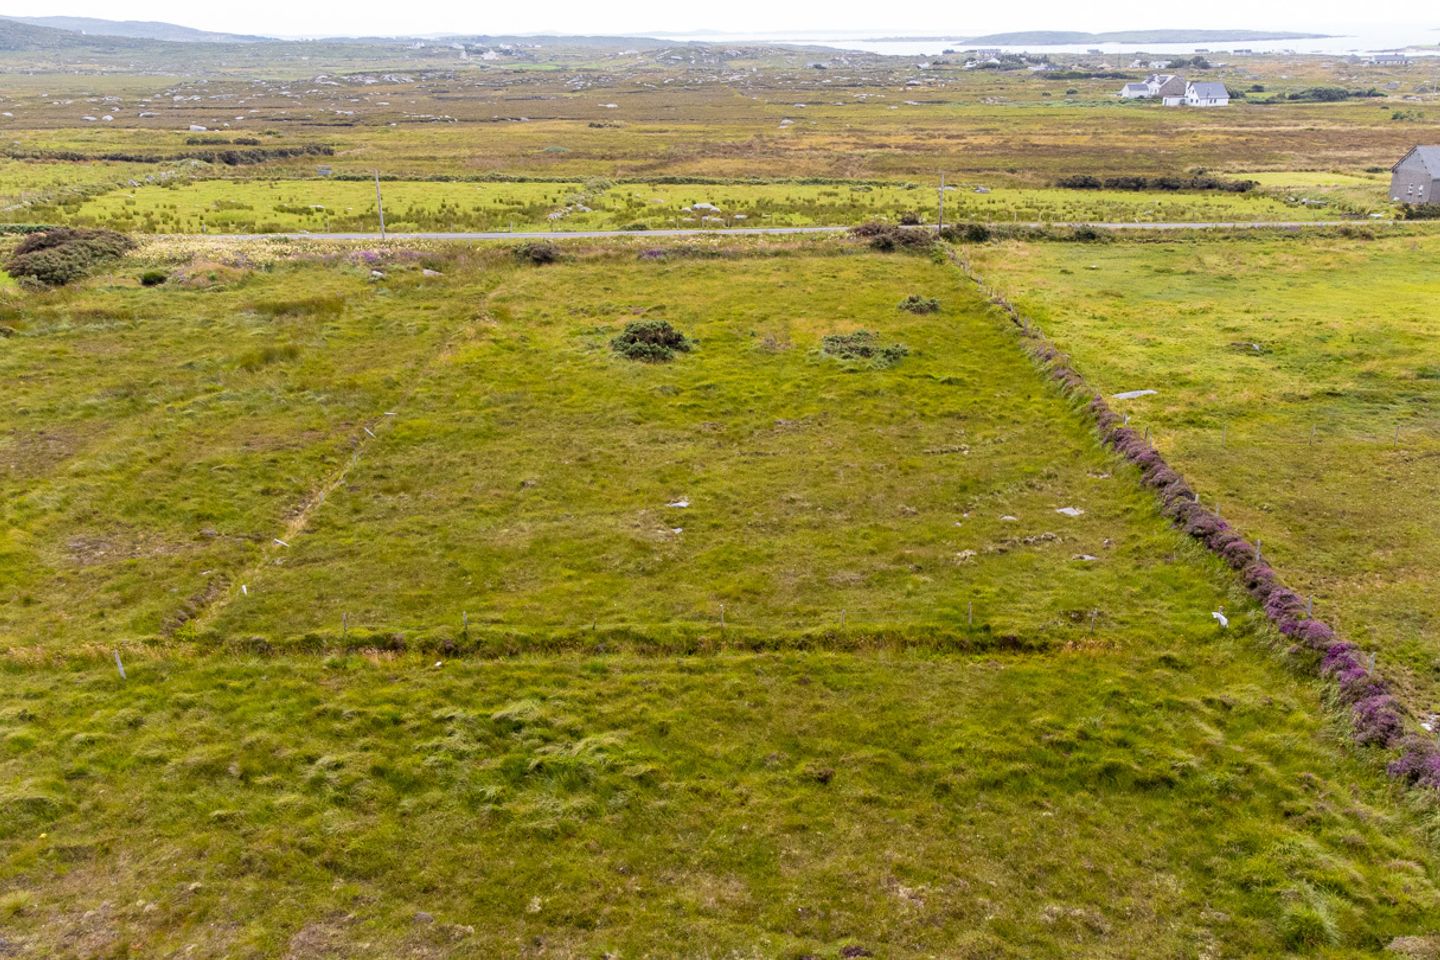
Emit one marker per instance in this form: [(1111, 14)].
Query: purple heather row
[(1378, 718)]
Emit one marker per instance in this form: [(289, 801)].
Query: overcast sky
[(357, 17)]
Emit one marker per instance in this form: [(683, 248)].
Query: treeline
[(1085, 182), (230, 158)]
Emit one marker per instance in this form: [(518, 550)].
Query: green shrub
[(918, 304), (863, 345), (1410, 211), (153, 278), (63, 255), (887, 237), (537, 252), (650, 341)]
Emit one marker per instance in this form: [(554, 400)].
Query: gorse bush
[(650, 341), (863, 345), (63, 255), (918, 304), (153, 278)]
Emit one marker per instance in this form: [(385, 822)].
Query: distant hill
[(1047, 38), (15, 35), (135, 29)]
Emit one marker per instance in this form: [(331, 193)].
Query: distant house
[(1390, 60), (1416, 178), (1168, 87), (1206, 94)]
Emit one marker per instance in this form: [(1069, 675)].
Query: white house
[(1168, 87), (1206, 94)]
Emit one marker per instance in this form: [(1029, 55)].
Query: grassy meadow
[(466, 444), (1126, 803), (183, 205), (277, 441), (1297, 386)]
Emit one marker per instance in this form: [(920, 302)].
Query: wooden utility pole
[(941, 221), (380, 204)]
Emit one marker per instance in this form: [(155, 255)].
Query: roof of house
[(1209, 90), (1429, 156), (1136, 86)]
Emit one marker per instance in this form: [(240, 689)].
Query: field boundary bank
[(1377, 717), (497, 643)]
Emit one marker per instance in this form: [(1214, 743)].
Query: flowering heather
[(1204, 524), (1357, 684), (652, 254), (1283, 602), (1378, 720), (1313, 633), (1338, 656), (1418, 763), (1239, 553)]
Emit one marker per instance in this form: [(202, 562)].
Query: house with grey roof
[(1135, 91), (1416, 178), (1206, 94)]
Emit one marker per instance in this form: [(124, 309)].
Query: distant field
[(1256, 347), (1339, 192), (31, 182), (242, 206)]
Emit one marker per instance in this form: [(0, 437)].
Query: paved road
[(741, 231)]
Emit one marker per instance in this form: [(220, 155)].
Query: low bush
[(537, 252), (153, 278), (1411, 211), (863, 345), (650, 341), (63, 255), (918, 304), (887, 237), (968, 233)]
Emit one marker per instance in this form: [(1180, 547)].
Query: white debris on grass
[(1009, 519), (1071, 511), (680, 504), (1132, 394), (1220, 618)]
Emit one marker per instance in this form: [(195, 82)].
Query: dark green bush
[(918, 304), (153, 278), (888, 237), (537, 252), (1410, 211), (863, 345), (63, 255), (968, 232), (650, 341)]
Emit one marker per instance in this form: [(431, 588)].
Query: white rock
[(1071, 511)]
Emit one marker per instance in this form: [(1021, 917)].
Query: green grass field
[(1091, 769), (1136, 803), (248, 206), (481, 451), (1298, 384)]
